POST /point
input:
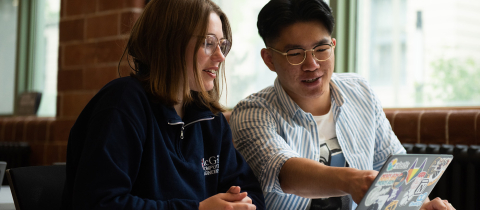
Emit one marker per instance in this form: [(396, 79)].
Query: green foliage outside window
[(455, 80)]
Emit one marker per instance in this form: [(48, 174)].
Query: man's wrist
[(344, 174)]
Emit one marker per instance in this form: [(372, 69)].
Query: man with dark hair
[(314, 139)]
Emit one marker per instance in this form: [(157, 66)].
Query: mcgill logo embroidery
[(211, 165)]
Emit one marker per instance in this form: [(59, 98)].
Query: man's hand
[(437, 204), (232, 200), (359, 183), (312, 179)]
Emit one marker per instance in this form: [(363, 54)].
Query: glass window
[(29, 59), (246, 73), (46, 57), (420, 53), (8, 41)]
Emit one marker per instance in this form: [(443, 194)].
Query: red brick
[(79, 54), (70, 80), (52, 154), (2, 125), (30, 130), (127, 21), (110, 5), (19, 130), (60, 56), (73, 55), (37, 156), (62, 153), (50, 131), (102, 26), (461, 127), (61, 129), (94, 53), (98, 77), (50, 128), (433, 127), (477, 129), (109, 51), (125, 70), (59, 104), (73, 103), (134, 3), (8, 133), (79, 7), (71, 30), (41, 130), (406, 126), (89, 53), (62, 8)]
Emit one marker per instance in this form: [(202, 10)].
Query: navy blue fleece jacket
[(127, 152)]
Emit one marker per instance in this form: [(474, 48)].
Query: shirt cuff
[(269, 178)]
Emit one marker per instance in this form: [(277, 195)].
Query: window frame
[(345, 14), (27, 25)]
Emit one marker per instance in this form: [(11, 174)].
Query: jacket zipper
[(204, 119), (177, 144), (183, 124)]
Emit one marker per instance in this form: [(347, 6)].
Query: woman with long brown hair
[(157, 139)]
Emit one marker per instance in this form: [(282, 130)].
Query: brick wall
[(93, 34)]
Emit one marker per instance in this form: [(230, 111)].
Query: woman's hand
[(236, 190), (231, 200)]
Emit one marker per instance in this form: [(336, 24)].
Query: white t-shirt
[(330, 152), (331, 155)]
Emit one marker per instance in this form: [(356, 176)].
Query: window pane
[(8, 43), (246, 72), (46, 55), (420, 53)]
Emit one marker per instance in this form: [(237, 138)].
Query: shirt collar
[(284, 99), (336, 93), (292, 108)]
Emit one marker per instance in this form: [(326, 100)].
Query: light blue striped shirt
[(269, 128)]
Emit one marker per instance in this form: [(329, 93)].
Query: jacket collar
[(192, 113)]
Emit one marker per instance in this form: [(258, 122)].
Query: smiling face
[(207, 65), (309, 81)]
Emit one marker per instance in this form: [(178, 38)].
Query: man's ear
[(267, 58)]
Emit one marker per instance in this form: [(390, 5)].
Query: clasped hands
[(231, 200)]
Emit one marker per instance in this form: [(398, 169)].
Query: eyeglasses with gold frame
[(320, 53)]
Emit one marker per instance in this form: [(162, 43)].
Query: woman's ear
[(267, 58)]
